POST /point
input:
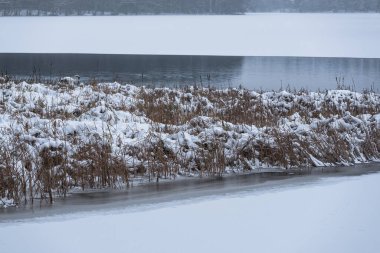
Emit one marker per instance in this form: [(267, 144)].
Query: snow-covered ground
[(331, 215), (320, 35)]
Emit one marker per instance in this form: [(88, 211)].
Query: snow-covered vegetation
[(60, 136)]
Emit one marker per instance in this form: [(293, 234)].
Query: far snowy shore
[(61, 136)]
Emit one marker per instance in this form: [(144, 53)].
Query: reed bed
[(59, 136)]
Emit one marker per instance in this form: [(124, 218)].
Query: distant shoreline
[(40, 13)]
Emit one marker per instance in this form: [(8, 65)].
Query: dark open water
[(219, 71)]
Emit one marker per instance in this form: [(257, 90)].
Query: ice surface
[(320, 35), (332, 215)]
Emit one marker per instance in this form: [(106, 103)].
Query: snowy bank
[(270, 34), (55, 137)]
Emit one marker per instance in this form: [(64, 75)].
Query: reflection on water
[(311, 73), (251, 72), (153, 194)]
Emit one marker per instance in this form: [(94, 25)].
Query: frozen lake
[(219, 71), (302, 35), (328, 212)]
